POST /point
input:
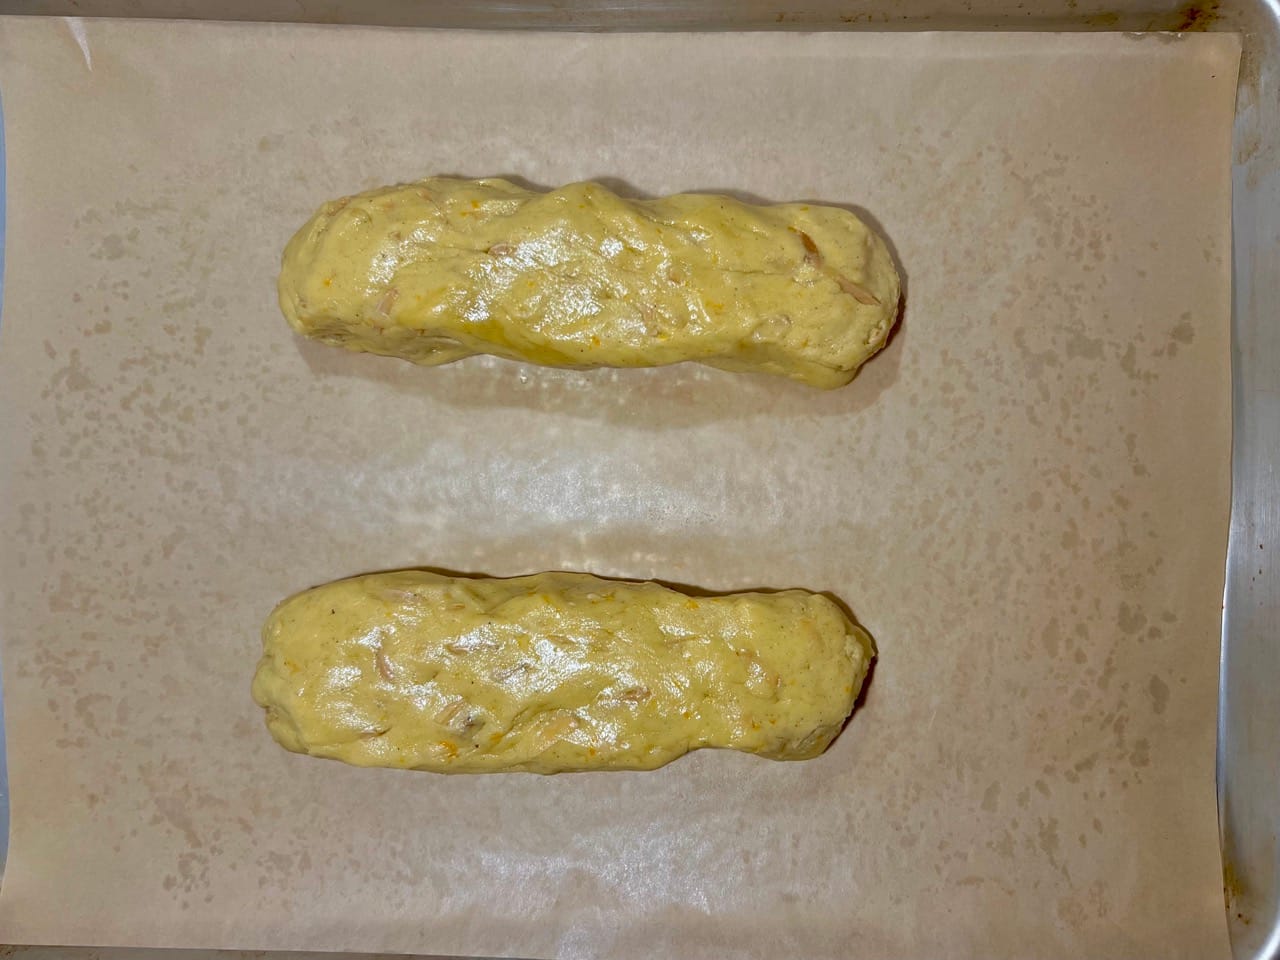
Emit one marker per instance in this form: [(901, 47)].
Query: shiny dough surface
[(553, 672), (444, 268)]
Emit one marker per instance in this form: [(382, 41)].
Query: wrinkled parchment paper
[(1024, 498)]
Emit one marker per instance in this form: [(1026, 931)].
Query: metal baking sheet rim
[(1248, 762)]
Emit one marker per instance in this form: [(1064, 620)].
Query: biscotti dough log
[(553, 672), (443, 268)]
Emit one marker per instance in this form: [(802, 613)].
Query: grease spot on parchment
[(991, 797), (1158, 690)]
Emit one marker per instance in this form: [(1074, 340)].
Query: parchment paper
[(1024, 498)]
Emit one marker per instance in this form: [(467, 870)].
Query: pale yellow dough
[(553, 672), (443, 268)]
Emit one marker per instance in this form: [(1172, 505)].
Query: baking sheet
[(1024, 498)]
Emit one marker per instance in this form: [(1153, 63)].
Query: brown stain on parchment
[(1104, 20), (1197, 17)]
